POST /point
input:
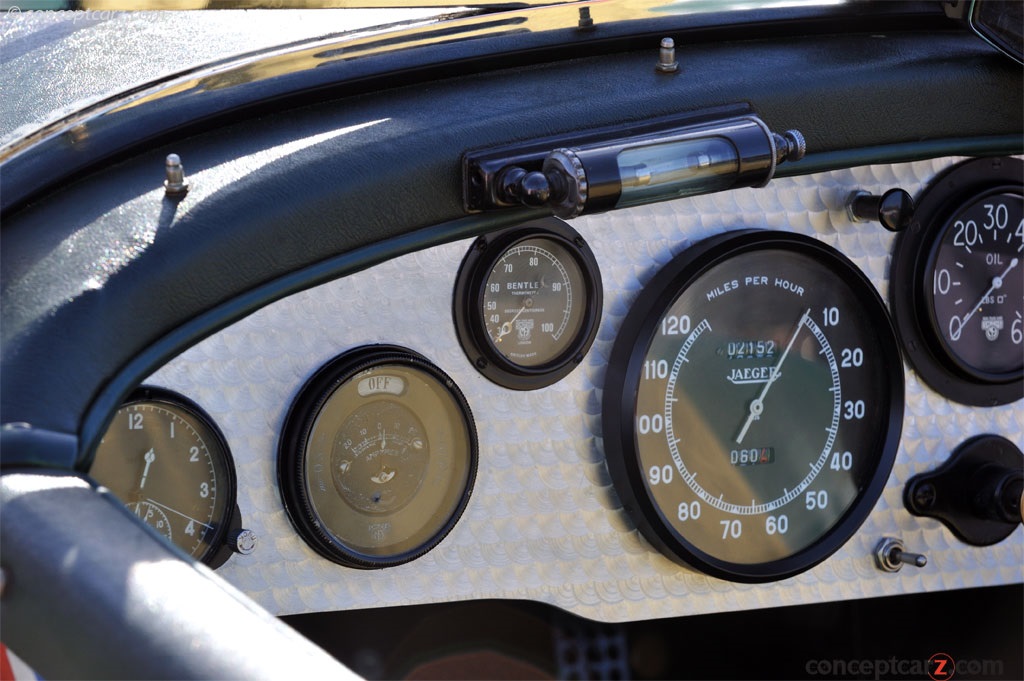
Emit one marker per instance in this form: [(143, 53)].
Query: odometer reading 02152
[(753, 405)]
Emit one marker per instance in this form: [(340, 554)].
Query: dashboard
[(543, 521), (337, 348)]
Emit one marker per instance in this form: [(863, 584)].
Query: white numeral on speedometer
[(731, 438), (660, 475)]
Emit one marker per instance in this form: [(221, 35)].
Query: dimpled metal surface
[(544, 522)]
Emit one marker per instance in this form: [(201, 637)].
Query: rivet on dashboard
[(175, 184), (667, 57), (586, 21), (890, 556)]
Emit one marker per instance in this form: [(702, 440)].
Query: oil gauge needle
[(997, 283), (149, 458), (757, 406)]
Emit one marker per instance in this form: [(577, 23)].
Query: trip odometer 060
[(753, 405)]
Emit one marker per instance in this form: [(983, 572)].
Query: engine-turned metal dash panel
[(544, 523)]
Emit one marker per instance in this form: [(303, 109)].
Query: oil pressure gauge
[(527, 303), (958, 283), (378, 457)]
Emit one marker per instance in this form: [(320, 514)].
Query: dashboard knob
[(242, 541), (518, 186), (976, 493), (561, 185), (894, 209)]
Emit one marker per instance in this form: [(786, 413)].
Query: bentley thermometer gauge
[(377, 458), (527, 303), (753, 405), (958, 283)]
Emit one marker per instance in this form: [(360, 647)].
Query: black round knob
[(515, 185), (534, 189), (894, 209)]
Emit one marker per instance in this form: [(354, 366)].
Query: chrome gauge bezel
[(623, 385), (311, 513), (217, 550), (469, 314), (915, 250)]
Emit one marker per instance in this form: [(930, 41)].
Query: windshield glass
[(674, 7), (72, 46)]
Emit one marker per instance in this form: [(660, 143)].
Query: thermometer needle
[(506, 328)]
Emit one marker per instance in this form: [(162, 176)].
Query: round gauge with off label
[(378, 457), (527, 303), (957, 283)]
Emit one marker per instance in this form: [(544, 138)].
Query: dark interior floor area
[(901, 637)]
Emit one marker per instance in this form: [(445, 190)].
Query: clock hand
[(149, 458)]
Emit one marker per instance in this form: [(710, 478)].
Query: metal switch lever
[(890, 556)]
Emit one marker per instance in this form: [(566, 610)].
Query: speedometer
[(753, 405)]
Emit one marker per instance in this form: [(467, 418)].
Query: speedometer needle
[(997, 282), (757, 406), (149, 457)]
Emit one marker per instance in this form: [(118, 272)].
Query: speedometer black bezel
[(467, 305), (913, 313), (622, 386)]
